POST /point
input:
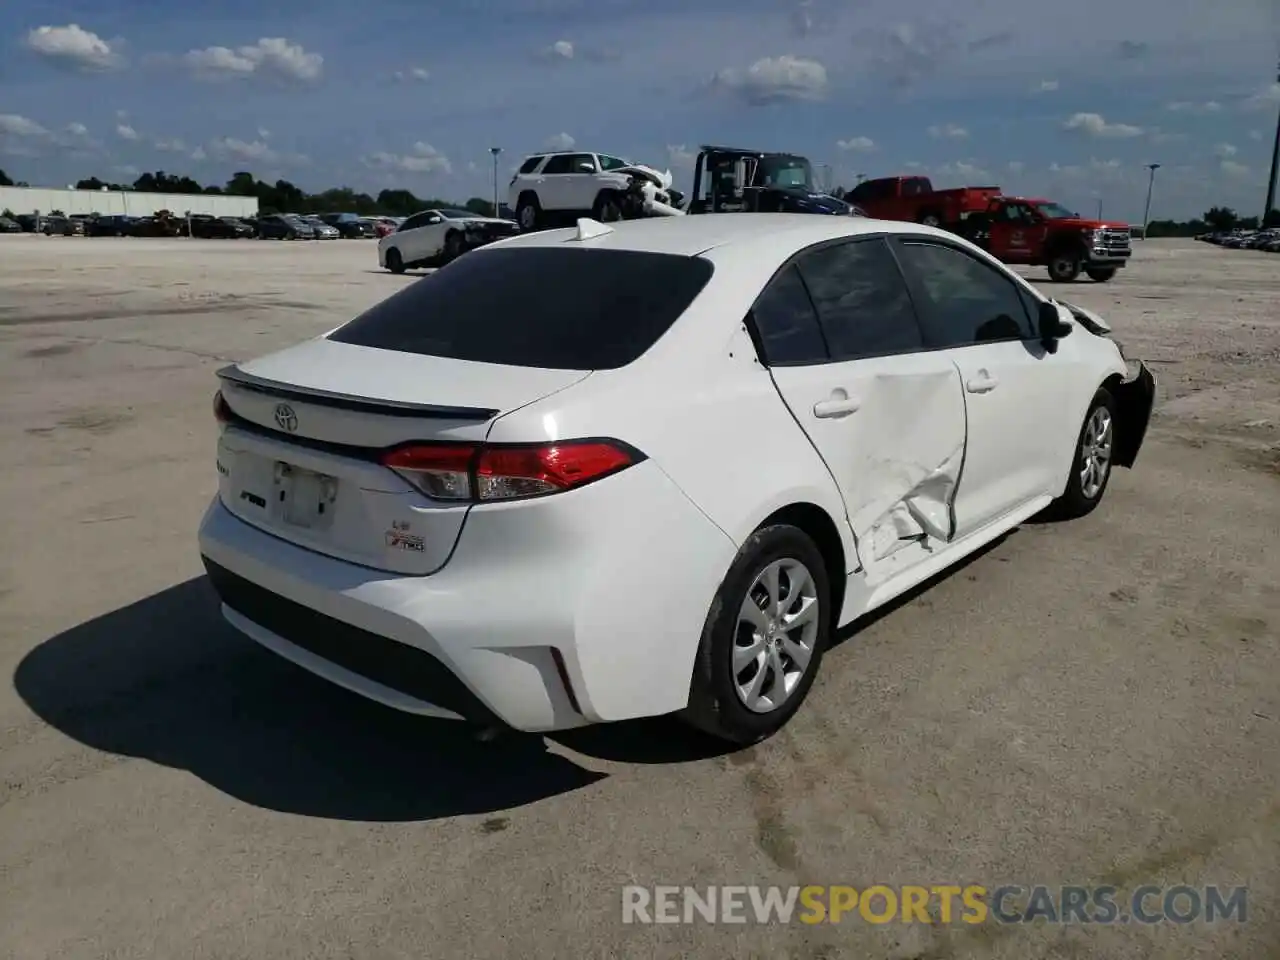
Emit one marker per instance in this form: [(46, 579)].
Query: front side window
[(531, 164), (862, 300), (968, 302)]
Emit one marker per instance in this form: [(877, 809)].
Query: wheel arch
[(819, 525)]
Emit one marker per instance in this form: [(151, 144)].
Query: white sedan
[(435, 237), (646, 468)]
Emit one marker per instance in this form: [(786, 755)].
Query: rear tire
[(395, 263), (1101, 275), (1091, 466), (743, 696), (930, 219)]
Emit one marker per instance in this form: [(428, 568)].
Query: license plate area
[(303, 498)]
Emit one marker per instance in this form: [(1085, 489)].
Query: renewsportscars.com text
[(970, 904)]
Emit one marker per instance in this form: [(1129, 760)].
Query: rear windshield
[(549, 307)]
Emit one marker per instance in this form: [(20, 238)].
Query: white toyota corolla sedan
[(645, 468)]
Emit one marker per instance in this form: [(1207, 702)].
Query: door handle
[(982, 383), (840, 404)]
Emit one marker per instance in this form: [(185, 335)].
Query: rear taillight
[(221, 410), (485, 473)]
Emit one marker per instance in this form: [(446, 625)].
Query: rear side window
[(787, 324), (862, 300), (562, 163), (549, 307), (531, 164)]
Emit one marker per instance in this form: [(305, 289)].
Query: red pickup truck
[(1037, 232), (914, 199), (1016, 230)]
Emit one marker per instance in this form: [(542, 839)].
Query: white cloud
[(127, 170), (126, 132), (1195, 108), (963, 172), (73, 46), (560, 50), (775, 79), (857, 144), (1095, 125), (423, 158), (560, 141), (15, 125), (170, 146), (1225, 151), (948, 131), (198, 154), (1016, 166), (24, 137), (678, 155), (122, 114), (1268, 96), (264, 133), (1255, 134), (419, 74), (1233, 169), (247, 151), (270, 56), (1045, 86)]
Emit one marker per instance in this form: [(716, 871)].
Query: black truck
[(736, 180)]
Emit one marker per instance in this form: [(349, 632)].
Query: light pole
[(1275, 168), (495, 151), (1151, 182)]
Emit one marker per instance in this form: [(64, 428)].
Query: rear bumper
[(550, 615), (1135, 399)]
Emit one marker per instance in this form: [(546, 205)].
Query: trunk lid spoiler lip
[(232, 374)]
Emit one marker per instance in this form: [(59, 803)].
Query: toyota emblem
[(286, 419)]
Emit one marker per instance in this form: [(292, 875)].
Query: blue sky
[(1064, 100)]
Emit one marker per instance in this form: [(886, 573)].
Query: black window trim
[(757, 339), (920, 296)]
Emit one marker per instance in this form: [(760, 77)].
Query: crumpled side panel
[(909, 467)]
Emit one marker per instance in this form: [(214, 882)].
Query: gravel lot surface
[(1083, 703)]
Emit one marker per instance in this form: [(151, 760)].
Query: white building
[(22, 200)]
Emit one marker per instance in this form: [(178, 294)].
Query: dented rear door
[(887, 416)]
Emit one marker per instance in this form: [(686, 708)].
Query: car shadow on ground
[(165, 679)]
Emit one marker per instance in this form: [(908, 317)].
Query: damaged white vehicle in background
[(674, 457), (557, 187)]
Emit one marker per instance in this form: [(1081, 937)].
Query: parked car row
[(165, 223), (1268, 239)]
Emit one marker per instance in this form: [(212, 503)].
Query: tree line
[(1213, 220), (283, 196)]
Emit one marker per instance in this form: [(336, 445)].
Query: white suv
[(561, 186)]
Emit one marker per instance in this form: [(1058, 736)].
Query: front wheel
[(395, 262), (1064, 266), (1101, 274), (763, 639), (453, 247), (1091, 465), (930, 219)]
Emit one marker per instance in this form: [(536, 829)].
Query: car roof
[(692, 235)]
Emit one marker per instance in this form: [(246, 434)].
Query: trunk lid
[(299, 457)]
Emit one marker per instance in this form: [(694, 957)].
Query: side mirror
[(739, 175), (1050, 325), (585, 167)]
